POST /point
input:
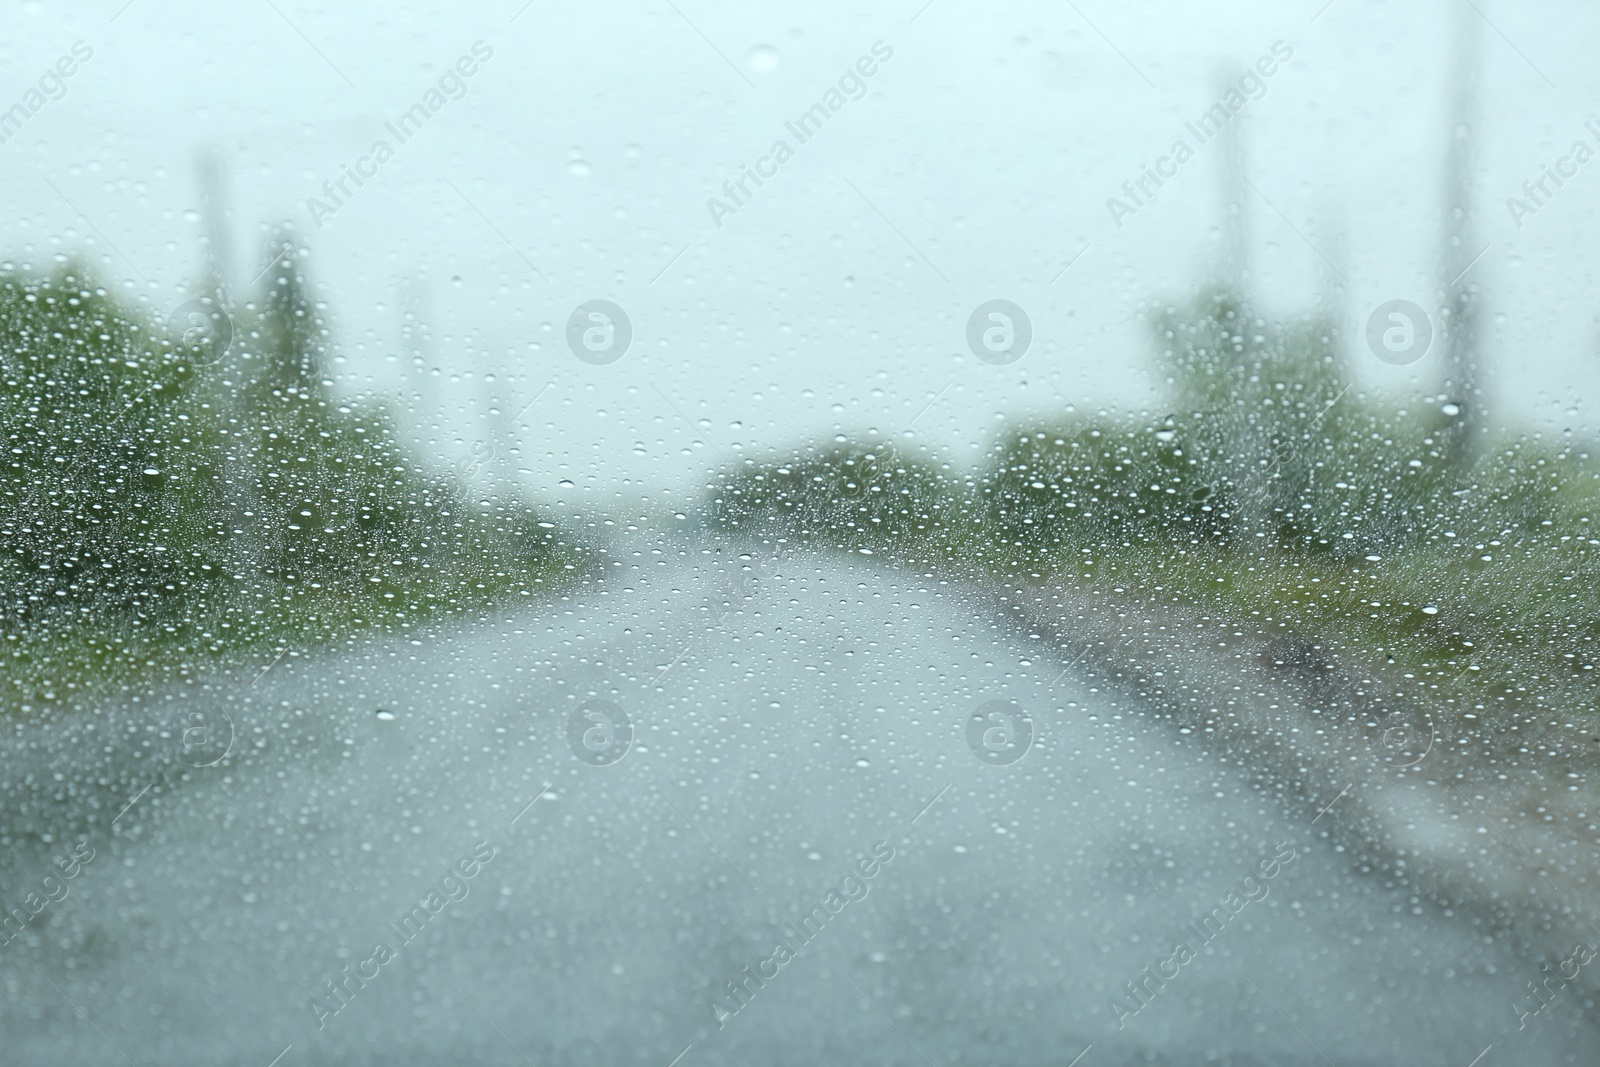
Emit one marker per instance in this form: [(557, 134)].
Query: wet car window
[(679, 534)]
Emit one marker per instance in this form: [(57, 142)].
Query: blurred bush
[(169, 500)]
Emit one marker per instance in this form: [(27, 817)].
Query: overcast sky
[(579, 161)]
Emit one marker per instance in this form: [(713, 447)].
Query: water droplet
[(579, 168), (1430, 610), (763, 58), (384, 715), (1451, 409)]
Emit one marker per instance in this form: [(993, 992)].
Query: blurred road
[(788, 718)]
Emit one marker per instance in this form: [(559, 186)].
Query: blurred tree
[(1114, 482), (840, 497), (171, 499)]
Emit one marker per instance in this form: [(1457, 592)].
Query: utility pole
[(1459, 250), (1230, 159), (237, 470), (214, 208), (1331, 282)]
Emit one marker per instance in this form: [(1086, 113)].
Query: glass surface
[(681, 534)]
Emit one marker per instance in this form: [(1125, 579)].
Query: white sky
[(990, 141)]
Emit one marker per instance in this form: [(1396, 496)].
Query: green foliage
[(1113, 482), (1274, 490), (98, 511), (160, 511), (841, 497)]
